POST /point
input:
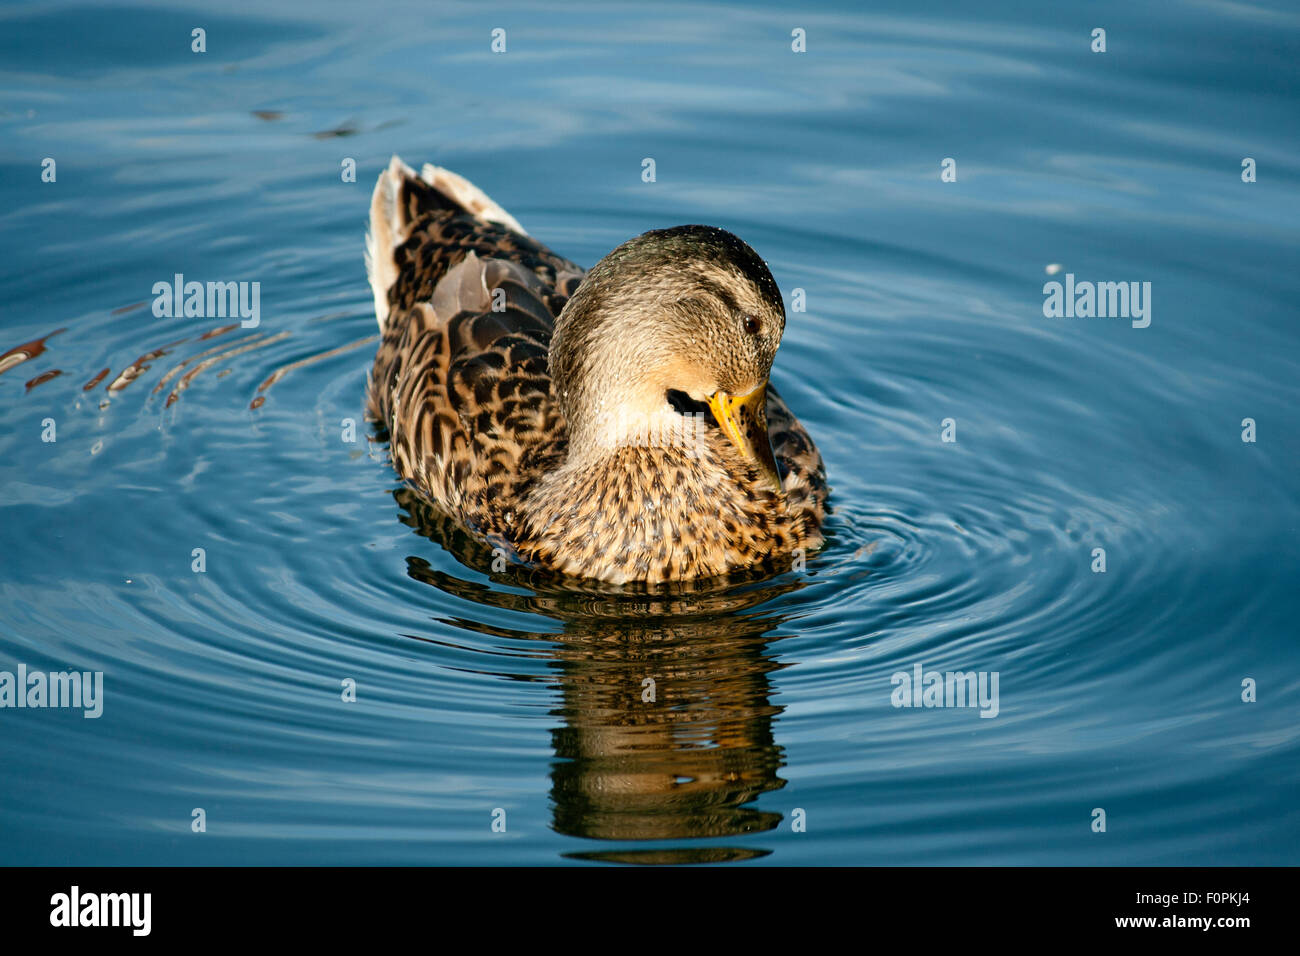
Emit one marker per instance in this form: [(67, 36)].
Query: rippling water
[(771, 736)]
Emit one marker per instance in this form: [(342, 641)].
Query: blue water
[(772, 737)]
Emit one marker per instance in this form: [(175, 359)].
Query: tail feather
[(468, 196), (388, 230), (400, 197)]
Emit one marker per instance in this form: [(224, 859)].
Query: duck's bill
[(743, 419)]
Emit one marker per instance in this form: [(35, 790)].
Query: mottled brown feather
[(462, 384)]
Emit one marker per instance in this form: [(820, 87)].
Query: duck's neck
[(655, 426)]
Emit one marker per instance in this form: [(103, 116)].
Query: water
[(475, 691)]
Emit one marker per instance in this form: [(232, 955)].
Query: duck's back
[(466, 303)]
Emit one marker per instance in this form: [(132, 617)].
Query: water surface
[(772, 737)]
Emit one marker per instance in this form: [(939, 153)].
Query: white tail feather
[(387, 232), (389, 229), (461, 190)]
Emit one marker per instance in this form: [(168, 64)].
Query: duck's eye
[(752, 325)]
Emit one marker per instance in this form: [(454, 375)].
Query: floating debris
[(269, 115), (44, 377), (310, 360), (219, 330), (140, 365), (162, 383), (94, 381), (346, 129), (28, 350), (193, 373)]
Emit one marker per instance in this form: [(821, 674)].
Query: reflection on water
[(666, 712), (188, 369)]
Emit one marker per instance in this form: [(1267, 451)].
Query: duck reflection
[(665, 716)]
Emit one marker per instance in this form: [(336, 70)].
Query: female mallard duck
[(614, 425)]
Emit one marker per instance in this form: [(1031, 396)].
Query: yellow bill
[(743, 419)]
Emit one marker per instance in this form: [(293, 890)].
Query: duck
[(615, 424)]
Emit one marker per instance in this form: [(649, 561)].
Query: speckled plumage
[(468, 306)]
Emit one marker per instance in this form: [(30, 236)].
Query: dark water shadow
[(665, 722)]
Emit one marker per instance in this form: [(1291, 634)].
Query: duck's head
[(670, 322)]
